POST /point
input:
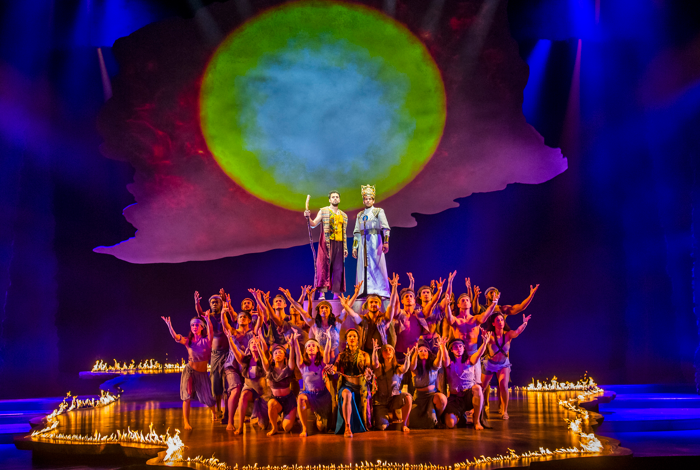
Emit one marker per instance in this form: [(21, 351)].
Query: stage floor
[(536, 421)]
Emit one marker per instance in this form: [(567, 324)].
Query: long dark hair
[(465, 354), (331, 317), (428, 362), (318, 360)]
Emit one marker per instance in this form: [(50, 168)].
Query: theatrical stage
[(537, 425)]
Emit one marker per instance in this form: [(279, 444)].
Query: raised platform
[(537, 421)]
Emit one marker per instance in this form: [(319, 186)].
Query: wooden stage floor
[(536, 421)]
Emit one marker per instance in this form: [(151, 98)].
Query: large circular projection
[(314, 96)]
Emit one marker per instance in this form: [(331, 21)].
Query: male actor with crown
[(371, 243)]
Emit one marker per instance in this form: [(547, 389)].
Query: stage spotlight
[(537, 61)]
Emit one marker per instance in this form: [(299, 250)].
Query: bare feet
[(230, 427), (303, 433), (505, 415), (188, 426), (405, 429), (348, 432), (214, 418), (273, 431), (478, 426), (238, 431)]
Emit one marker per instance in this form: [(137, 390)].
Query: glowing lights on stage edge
[(149, 366), (175, 447)]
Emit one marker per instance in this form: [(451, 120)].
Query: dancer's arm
[(358, 286), (451, 319), (486, 336), (346, 306), (328, 356), (515, 333), (292, 350), (197, 305), (406, 366), (297, 351), (375, 356), (442, 351), (294, 303), (210, 327), (262, 343), (309, 318), (264, 360), (448, 292), (414, 360), (179, 338), (428, 311), (480, 319), (234, 347), (475, 300), (394, 281), (515, 309), (411, 281)]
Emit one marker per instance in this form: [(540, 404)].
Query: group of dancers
[(418, 363)]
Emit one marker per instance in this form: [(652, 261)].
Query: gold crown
[(368, 190)]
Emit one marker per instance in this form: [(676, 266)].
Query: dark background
[(613, 241)]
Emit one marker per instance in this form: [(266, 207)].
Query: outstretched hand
[(486, 335), (343, 300), (526, 318), (198, 298), (440, 282), (534, 289), (375, 344), (358, 286), (286, 292), (477, 291), (166, 320), (394, 280)]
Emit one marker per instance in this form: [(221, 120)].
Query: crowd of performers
[(348, 371)]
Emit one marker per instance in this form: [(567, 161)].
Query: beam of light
[(571, 134), (475, 38), (207, 25), (537, 61), (584, 17), (106, 84), (432, 17)]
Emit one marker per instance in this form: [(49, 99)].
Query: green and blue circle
[(317, 95)]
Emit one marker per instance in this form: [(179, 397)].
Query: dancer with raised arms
[(389, 397), (375, 324), (279, 375), (194, 380), (255, 387), (499, 361), (466, 326), (465, 391), (315, 396), (429, 403)]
